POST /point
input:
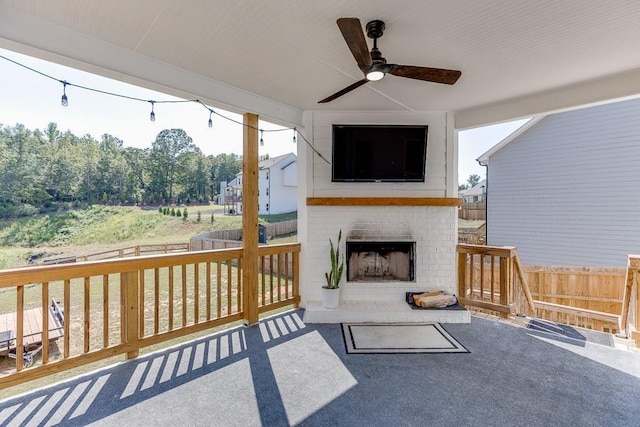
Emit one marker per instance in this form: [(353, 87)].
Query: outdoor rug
[(393, 338)]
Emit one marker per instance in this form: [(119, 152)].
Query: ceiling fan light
[(374, 75)]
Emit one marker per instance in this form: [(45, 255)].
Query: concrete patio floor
[(283, 372)]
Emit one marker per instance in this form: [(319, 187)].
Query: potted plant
[(331, 291)]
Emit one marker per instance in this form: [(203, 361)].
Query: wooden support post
[(524, 284), (296, 278), (129, 288), (45, 323), (626, 297), (250, 219), (20, 329), (462, 272), (504, 283)]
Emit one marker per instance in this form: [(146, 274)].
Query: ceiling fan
[(374, 66)]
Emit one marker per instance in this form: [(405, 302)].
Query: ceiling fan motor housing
[(375, 29)]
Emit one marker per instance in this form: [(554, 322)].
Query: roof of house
[(484, 157), (270, 162), (476, 190)]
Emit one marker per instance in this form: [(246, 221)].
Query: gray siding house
[(565, 188)]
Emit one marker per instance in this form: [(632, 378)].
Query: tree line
[(472, 181), (40, 169)]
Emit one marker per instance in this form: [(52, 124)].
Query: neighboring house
[(475, 194), (565, 188), (277, 187), (473, 205)]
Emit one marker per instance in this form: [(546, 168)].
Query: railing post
[(296, 277), (524, 283), (462, 272), (632, 299), (129, 298), (635, 335), (505, 267)]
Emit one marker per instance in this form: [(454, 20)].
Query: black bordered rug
[(393, 338)]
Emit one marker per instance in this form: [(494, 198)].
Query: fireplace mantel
[(384, 201)]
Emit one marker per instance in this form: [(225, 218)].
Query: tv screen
[(379, 153)]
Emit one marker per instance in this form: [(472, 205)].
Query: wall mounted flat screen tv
[(379, 153)]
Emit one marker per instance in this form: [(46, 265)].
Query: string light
[(65, 100), (152, 115)]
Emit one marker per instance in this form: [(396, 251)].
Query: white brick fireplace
[(432, 225)]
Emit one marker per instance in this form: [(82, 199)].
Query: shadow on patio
[(283, 372)]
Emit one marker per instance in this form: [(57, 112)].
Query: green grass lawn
[(100, 228), (467, 223)]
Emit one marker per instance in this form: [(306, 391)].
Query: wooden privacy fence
[(492, 278), (473, 211), (119, 306), (208, 239), (589, 297), (122, 253)]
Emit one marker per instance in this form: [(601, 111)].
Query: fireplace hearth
[(380, 261)]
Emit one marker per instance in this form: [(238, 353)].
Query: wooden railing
[(630, 318), (492, 278), (119, 306)]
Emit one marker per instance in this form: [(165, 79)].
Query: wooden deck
[(32, 329)]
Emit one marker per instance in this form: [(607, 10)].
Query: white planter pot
[(330, 297)]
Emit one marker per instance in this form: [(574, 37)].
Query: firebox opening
[(380, 261)]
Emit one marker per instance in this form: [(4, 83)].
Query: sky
[(473, 143), (33, 100)]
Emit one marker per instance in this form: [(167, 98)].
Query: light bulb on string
[(64, 100), (152, 116), (210, 119), (261, 140), (295, 140)]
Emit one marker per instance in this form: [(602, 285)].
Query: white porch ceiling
[(279, 57)]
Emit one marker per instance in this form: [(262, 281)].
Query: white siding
[(275, 195), (567, 191), (282, 198), (290, 175), (263, 191)]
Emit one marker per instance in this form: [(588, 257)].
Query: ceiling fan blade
[(343, 91), (351, 30), (437, 75)]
